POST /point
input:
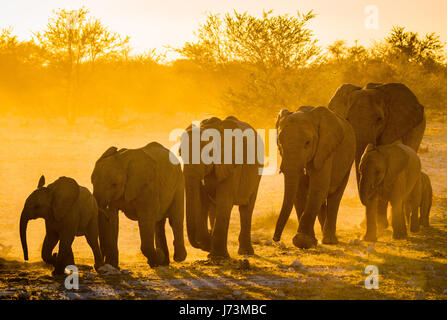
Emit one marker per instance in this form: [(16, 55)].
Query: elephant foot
[(277, 236), (51, 260), (330, 239), (414, 224), (363, 224), (399, 234), (113, 262), (165, 262), (157, 260), (218, 255), (58, 272), (97, 266), (246, 250), (205, 245), (180, 254), (370, 237), (382, 224), (304, 241)]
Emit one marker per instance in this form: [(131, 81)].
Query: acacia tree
[(73, 39), (408, 46), (268, 53)]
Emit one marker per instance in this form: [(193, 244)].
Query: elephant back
[(87, 209), (168, 174)]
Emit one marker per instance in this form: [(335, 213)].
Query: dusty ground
[(415, 268)]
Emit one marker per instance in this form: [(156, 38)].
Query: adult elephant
[(317, 149), (380, 114), (148, 188), (214, 187)]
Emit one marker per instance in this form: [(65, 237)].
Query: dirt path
[(415, 268)]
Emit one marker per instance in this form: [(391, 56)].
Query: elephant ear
[(370, 147), (281, 115), (330, 135), (340, 102), (223, 170), (109, 152), (64, 193), (142, 174), (373, 85), (397, 160), (305, 109), (41, 182), (404, 111)]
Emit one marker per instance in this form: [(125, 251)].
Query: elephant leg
[(398, 220), (204, 237), (65, 254), (318, 191), (371, 221), (108, 237), (70, 258), (212, 215), (246, 213), (176, 216), (305, 237), (414, 220), (322, 215), (424, 220), (407, 212), (160, 240), (333, 204), (382, 217), (224, 204), (50, 241), (92, 239), (147, 236)]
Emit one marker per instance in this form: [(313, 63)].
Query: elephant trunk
[(196, 219), (99, 200), (366, 191), (362, 141), (23, 226), (291, 182)]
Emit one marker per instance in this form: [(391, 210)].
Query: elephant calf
[(317, 149), (145, 185), (418, 209), (391, 172), (69, 210)]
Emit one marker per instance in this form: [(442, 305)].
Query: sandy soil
[(415, 268)]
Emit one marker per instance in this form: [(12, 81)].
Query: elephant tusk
[(105, 213)]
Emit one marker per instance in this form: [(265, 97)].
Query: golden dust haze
[(154, 24), (134, 70)]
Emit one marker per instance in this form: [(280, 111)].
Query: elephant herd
[(379, 128)]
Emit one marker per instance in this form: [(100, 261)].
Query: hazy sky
[(155, 24)]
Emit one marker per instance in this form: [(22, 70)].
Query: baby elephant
[(69, 210), (417, 208), (391, 172)]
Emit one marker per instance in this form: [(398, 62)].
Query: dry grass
[(415, 268)]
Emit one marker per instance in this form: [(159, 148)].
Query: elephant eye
[(307, 143), (379, 119)]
